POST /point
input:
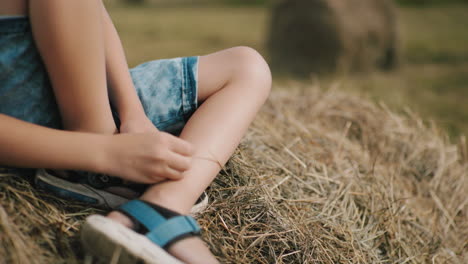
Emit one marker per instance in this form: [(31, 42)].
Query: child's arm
[(69, 37), (31, 146), (136, 157), (121, 88), (80, 48)]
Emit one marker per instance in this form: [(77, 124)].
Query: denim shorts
[(167, 88)]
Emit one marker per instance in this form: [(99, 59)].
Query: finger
[(178, 162), (156, 179), (181, 146), (172, 174)]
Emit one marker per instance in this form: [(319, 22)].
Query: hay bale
[(333, 35), (320, 177)]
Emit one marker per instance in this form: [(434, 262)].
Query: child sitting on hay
[(162, 130)]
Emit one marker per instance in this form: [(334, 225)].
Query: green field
[(432, 80)]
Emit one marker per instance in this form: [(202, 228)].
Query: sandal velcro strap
[(173, 230), (162, 231), (143, 213)]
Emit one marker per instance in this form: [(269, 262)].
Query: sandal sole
[(115, 243)]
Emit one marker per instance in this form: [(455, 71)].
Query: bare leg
[(233, 84), (71, 44), (236, 83)]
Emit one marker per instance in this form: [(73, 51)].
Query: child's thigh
[(168, 91)]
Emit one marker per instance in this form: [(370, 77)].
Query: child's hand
[(147, 157)]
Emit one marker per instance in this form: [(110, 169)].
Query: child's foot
[(188, 250), (140, 230)]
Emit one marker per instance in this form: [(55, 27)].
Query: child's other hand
[(147, 157)]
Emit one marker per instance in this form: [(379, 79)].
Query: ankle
[(171, 204), (167, 197)]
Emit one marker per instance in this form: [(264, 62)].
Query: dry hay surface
[(320, 177)]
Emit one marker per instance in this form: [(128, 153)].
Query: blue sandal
[(155, 229)]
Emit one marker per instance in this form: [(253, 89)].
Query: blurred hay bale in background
[(308, 36), (320, 177)]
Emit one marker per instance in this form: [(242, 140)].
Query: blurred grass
[(433, 78), (435, 35), (154, 33)]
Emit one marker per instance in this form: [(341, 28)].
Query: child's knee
[(250, 65)]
